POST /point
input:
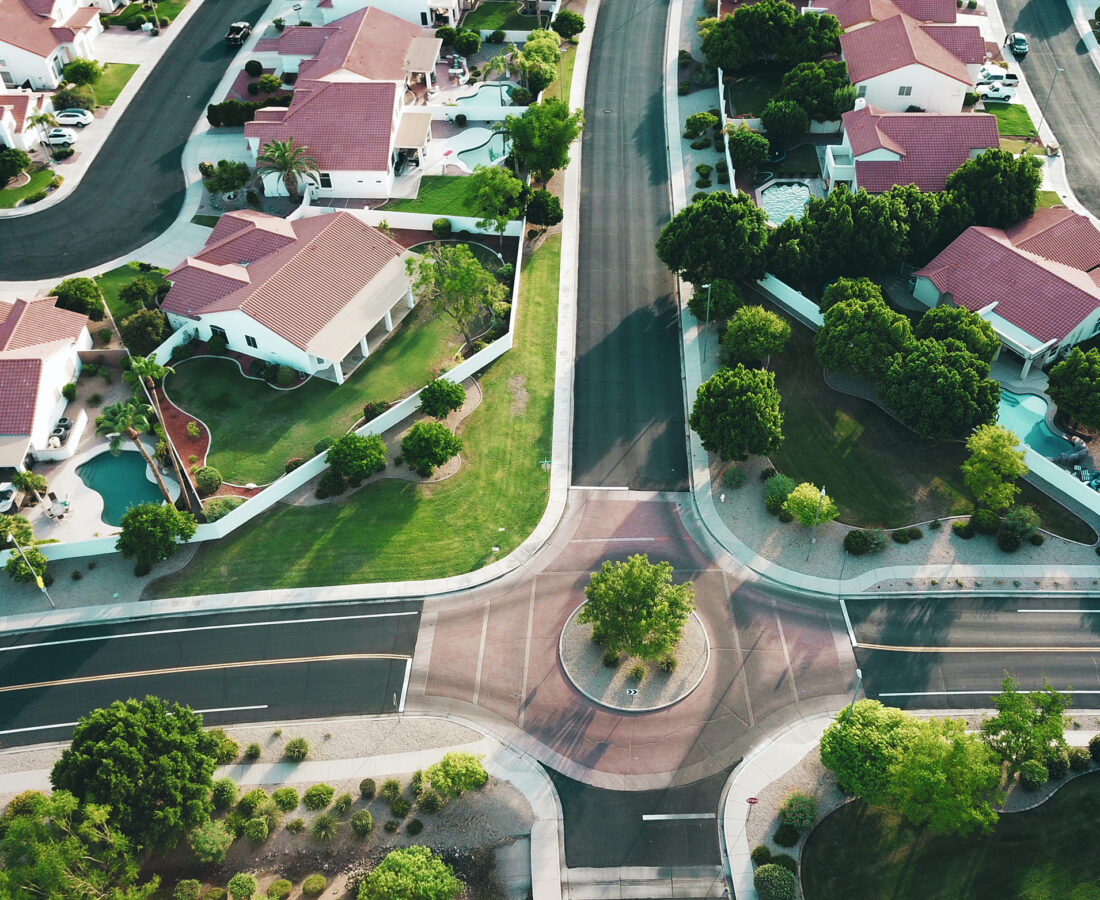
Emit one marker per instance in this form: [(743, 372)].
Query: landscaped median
[(393, 530)]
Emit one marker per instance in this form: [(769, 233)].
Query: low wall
[(725, 121), (1060, 484), (446, 112), (830, 127), (418, 221), (797, 304)]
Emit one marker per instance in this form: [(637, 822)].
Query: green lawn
[(798, 161), (751, 93), (256, 428), (502, 16), (1047, 853), (1012, 119), (114, 281), (559, 87), (393, 530), (1049, 198), (167, 9), (440, 195), (113, 80), (40, 180), (205, 221)]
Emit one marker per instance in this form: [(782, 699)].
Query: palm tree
[(518, 61), (283, 158), (499, 63), (130, 418), (145, 370), (41, 120)]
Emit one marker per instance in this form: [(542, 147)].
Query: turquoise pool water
[(1025, 416), (785, 199), (487, 154), (120, 481), (495, 94)]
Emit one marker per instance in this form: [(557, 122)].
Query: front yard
[(559, 87), (40, 180), (439, 195), (112, 81), (1013, 119), (112, 282), (167, 9), (500, 16), (393, 530)]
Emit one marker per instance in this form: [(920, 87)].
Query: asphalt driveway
[(134, 189)]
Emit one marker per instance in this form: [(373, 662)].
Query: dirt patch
[(517, 387)]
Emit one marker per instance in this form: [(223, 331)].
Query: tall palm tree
[(283, 158), (145, 370), (499, 63), (42, 120), (518, 61), (130, 419)]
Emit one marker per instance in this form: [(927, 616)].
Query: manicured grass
[(502, 16), (40, 180), (1012, 119), (256, 428), (1048, 853), (1016, 146), (113, 80), (1047, 199), (205, 221), (393, 530), (114, 281), (167, 9), (559, 87), (751, 93), (440, 195), (799, 161)]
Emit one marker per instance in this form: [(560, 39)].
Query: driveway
[(628, 424), (1055, 42), (134, 190)]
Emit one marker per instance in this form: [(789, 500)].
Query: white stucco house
[(16, 110), (304, 294), (1037, 283), (40, 348), (369, 62), (38, 37)]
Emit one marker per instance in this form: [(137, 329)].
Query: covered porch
[(371, 341)]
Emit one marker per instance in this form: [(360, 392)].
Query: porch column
[(363, 346), (1026, 368), (997, 355), (339, 372), (409, 301), (389, 321)]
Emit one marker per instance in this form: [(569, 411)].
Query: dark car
[(238, 33), (1017, 43)]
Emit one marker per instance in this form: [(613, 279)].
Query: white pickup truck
[(997, 75)]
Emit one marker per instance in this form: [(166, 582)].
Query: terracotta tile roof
[(77, 22), (297, 41), (22, 104), (368, 42), (295, 290), (19, 380), (1046, 299), (31, 323), (318, 119), (856, 12), (931, 145), (22, 27), (964, 42), (1059, 234), (892, 44)]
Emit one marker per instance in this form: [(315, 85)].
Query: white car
[(996, 91), (77, 117), (61, 137), (997, 75)]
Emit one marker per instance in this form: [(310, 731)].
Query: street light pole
[(706, 325), (813, 531), (37, 578), (1043, 114), (859, 681)]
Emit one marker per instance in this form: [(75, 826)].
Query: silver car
[(61, 137), (77, 117)]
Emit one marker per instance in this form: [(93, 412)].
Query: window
[(250, 340), (423, 18), (861, 91), (905, 90), (326, 180), (218, 331)]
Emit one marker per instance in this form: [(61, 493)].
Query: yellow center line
[(243, 664), (979, 649)]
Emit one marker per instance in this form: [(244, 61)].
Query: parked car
[(1017, 43), (996, 91), (997, 75), (7, 498), (61, 137), (238, 33), (77, 117)]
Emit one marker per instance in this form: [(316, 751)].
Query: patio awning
[(423, 53), (412, 130), (13, 449)]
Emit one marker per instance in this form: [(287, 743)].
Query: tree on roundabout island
[(635, 609)]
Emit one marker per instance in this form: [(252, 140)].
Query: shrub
[(786, 835), (703, 170), (611, 659), (286, 376), (429, 801), (224, 793), (429, 444), (1033, 774), (416, 783), (318, 796), (268, 84), (216, 344), (520, 96), (1058, 765), (367, 788), (414, 827), (258, 368), (774, 882), (497, 37), (915, 534), (1094, 748), (296, 750), (68, 391), (440, 397), (785, 515), (963, 529), (35, 198), (322, 445), (286, 798), (188, 889), (761, 854), (734, 477), (313, 885), (901, 536), (667, 664), (251, 801), (80, 295), (441, 228), (699, 122), (208, 479), (776, 491), (227, 750), (391, 789), (253, 89), (683, 88), (970, 98), (460, 120), (362, 823), (400, 807), (787, 861), (342, 804), (256, 830), (798, 810), (374, 409), (279, 889), (985, 521), (293, 463), (296, 826), (1009, 541), (702, 182), (1079, 759), (391, 826), (325, 828), (1036, 539), (280, 23), (209, 842), (862, 541), (636, 673), (254, 68), (214, 894), (104, 335)]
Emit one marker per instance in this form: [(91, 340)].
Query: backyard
[(393, 530), (500, 16), (440, 195), (112, 282), (112, 81), (801, 160), (749, 94), (1047, 853), (40, 180)]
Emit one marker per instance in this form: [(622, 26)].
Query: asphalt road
[(954, 653), (1054, 43), (628, 421), (253, 666), (134, 189)]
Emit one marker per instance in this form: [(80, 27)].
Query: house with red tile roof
[(352, 107), (38, 37), (17, 108), (857, 13), (1037, 283), (40, 348), (305, 293), (427, 13), (898, 63), (881, 149)]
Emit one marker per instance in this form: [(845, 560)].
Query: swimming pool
[(487, 154), (121, 482), (783, 199), (494, 94), (1025, 416)]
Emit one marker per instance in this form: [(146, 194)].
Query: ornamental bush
[(252, 752), (985, 521), (286, 376), (362, 823), (279, 889), (325, 828), (391, 789), (1094, 748), (318, 796), (256, 830), (286, 798), (773, 882), (254, 68), (798, 810), (251, 801), (862, 541), (776, 491), (209, 842), (441, 228), (207, 480), (295, 826), (786, 835), (1079, 759), (342, 804), (296, 750), (1058, 765), (367, 788), (1033, 774), (761, 854), (440, 397), (400, 807), (224, 793), (414, 827), (313, 885), (188, 889), (963, 528), (242, 886), (429, 801), (428, 445), (787, 861)]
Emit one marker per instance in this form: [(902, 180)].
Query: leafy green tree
[(457, 773), (210, 841), (144, 330), (59, 849), (995, 462), (290, 163), (410, 873), (149, 761), (242, 886), (453, 282), (754, 33), (28, 482), (862, 745), (720, 236), (784, 119), (863, 290), (723, 298), (80, 295), (736, 412), (500, 197), (17, 568), (814, 86), (467, 42), (130, 419), (138, 293), (635, 609), (1074, 386), (568, 24), (997, 188), (18, 527), (77, 97), (544, 209), (1027, 726), (813, 36), (152, 532), (944, 779), (12, 162), (229, 175), (441, 397), (428, 445), (807, 504), (268, 84), (754, 333), (538, 60), (748, 150), (861, 338), (541, 137), (958, 322), (940, 389), (82, 72), (357, 456), (698, 123)]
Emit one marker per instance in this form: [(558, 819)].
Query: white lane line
[(675, 817), (163, 631), (405, 685), (598, 487), (481, 652), (1074, 611), (847, 621), (626, 540), (74, 724), (992, 692), (786, 653), (527, 651)]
